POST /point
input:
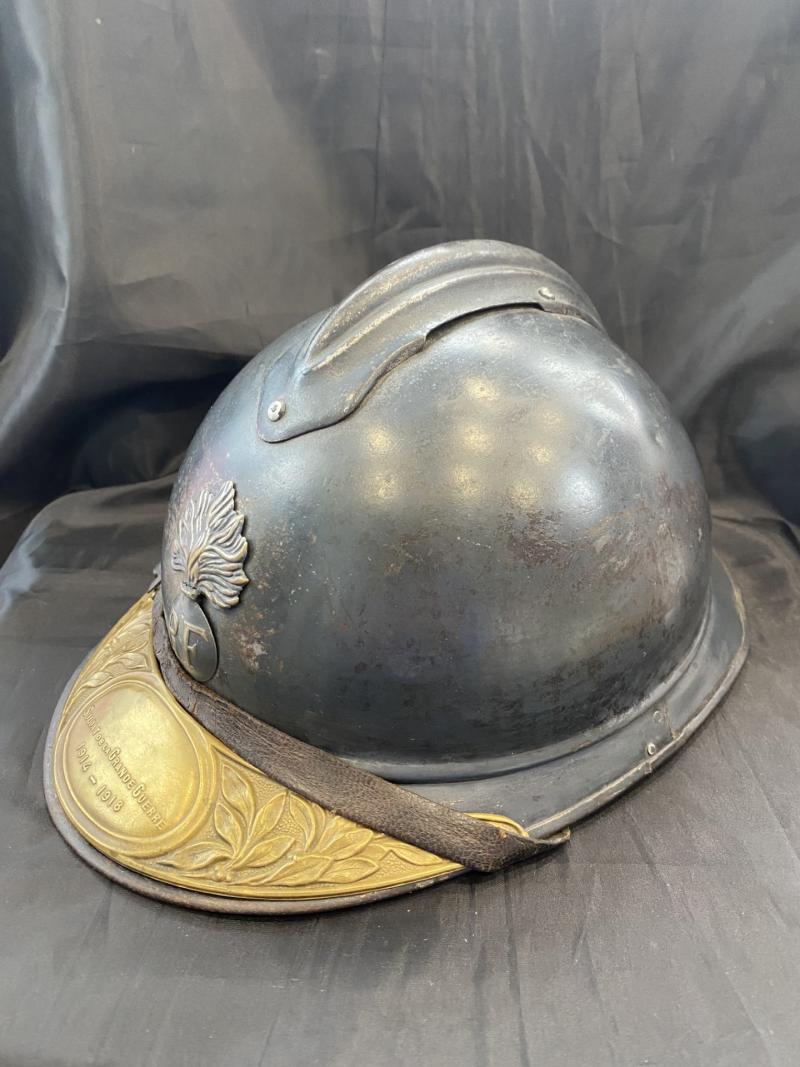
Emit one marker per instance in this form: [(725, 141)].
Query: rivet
[(652, 748), (547, 294), (275, 410)]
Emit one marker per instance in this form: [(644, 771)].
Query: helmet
[(440, 550)]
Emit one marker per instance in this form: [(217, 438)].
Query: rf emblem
[(192, 638)]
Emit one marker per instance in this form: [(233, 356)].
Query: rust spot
[(536, 542)]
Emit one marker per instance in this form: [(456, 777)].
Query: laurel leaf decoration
[(286, 842), (347, 845), (264, 853), (195, 857), (227, 827), (352, 871), (409, 854), (209, 548), (268, 817), (303, 871), (126, 651), (303, 814), (239, 794)]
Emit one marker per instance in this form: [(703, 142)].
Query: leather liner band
[(338, 785)]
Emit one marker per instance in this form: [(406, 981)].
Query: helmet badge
[(208, 552)]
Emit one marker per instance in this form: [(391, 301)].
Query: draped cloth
[(182, 180)]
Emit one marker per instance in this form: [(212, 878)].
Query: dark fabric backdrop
[(181, 180)]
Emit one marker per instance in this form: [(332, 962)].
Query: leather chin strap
[(337, 785)]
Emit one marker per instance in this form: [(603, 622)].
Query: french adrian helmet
[(436, 583)]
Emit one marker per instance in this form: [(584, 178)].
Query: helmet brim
[(149, 798)]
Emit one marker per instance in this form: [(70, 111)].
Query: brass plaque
[(156, 792)]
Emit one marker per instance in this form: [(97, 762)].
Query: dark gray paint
[(504, 547)]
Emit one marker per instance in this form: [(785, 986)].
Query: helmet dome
[(476, 537)]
